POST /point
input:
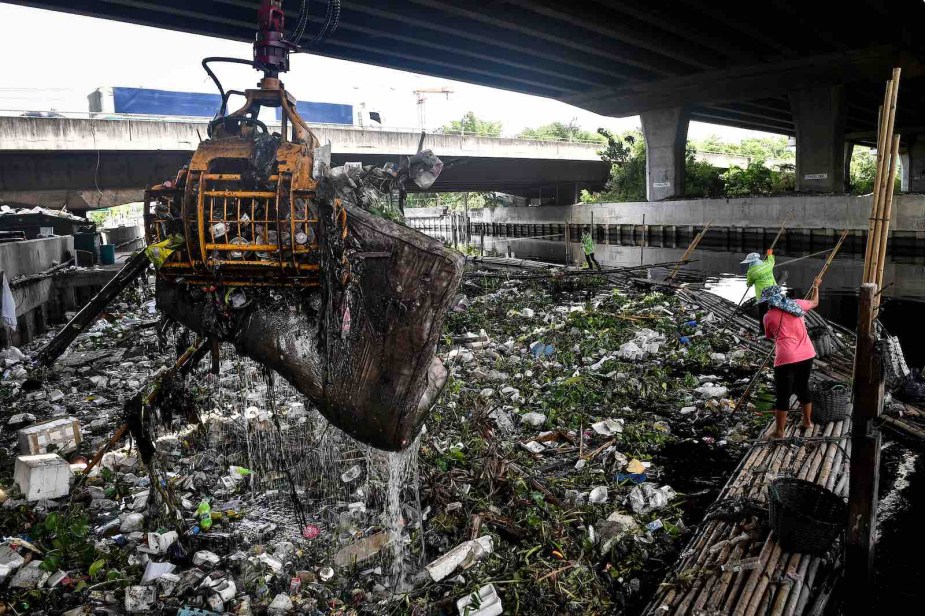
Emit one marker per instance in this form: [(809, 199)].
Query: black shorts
[(762, 310), (792, 379)]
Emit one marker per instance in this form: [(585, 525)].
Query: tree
[(758, 179), (626, 154), (559, 131), (701, 178), (755, 148), (455, 201), (862, 170), (473, 125)]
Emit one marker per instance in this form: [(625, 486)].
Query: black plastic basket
[(805, 517), (831, 402), (824, 341)]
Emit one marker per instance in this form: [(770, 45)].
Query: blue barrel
[(107, 254)]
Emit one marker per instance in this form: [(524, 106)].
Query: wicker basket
[(831, 402), (805, 517)]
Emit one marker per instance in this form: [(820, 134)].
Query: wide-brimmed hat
[(774, 296), (752, 258), (768, 292)]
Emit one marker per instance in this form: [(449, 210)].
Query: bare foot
[(777, 434), (807, 426)]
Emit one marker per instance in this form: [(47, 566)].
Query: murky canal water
[(902, 480)]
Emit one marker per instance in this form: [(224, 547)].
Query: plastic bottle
[(204, 513)]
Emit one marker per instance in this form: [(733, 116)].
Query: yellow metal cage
[(229, 227)]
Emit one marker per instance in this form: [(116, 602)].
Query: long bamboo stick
[(887, 215), (877, 240), (699, 564), (781, 230), (808, 585), (790, 581), (875, 193), (690, 249), (883, 148), (758, 579), (718, 595), (884, 158)]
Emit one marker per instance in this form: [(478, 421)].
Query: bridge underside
[(813, 70), (618, 57), (88, 180)]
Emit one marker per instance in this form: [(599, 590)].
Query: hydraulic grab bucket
[(254, 246)]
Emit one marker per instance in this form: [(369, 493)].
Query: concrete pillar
[(819, 114), (665, 132), (913, 166)]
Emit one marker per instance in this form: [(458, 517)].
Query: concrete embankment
[(668, 221), (42, 291)]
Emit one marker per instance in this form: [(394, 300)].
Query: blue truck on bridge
[(144, 101)]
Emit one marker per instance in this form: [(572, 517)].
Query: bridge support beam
[(819, 114), (913, 165), (665, 131)]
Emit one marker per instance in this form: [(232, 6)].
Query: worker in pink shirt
[(793, 352)]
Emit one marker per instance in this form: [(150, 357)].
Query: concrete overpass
[(89, 162), (801, 69)]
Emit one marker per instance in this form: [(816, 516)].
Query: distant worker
[(761, 276), (587, 243), (793, 352)]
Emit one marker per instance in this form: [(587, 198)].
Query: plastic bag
[(9, 304)]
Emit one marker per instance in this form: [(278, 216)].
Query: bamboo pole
[(690, 249), (773, 244), (904, 427), (794, 574), (887, 215), (769, 555), (883, 158), (707, 590), (875, 193), (781, 230), (808, 585), (701, 561), (716, 596)]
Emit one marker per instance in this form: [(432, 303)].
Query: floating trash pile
[(582, 430)]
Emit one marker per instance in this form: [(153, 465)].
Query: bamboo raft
[(734, 565)]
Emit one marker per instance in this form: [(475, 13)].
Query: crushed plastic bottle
[(351, 473)]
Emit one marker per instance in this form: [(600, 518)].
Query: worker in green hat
[(761, 276), (587, 244)]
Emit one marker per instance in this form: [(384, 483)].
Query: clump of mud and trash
[(586, 424)]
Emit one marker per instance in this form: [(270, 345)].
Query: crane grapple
[(258, 245)]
